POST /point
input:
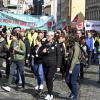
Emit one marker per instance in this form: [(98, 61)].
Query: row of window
[(61, 7), (93, 14), (91, 2)]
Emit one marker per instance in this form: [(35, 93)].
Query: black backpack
[(82, 56)]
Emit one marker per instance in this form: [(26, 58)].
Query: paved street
[(89, 89)]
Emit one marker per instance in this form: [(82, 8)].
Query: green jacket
[(19, 51), (75, 59)]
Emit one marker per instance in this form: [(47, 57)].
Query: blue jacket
[(89, 42)]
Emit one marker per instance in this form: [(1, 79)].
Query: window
[(99, 13), (94, 15), (8, 2)]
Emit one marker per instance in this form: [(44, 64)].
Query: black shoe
[(81, 77), (0, 74)]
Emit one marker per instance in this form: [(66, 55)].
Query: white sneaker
[(6, 88), (41, 87), (51, 97), (37, 87), (48, 97)]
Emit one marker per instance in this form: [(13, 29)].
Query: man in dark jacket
[(3, 50)]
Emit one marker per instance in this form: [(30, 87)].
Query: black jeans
[(81, 71), (49, 72), (8, 63), (19, 65), (89, 57)]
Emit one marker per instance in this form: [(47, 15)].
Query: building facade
[(61, 9), (16, 6), (74, 7), (77, 8), (1, 3), (5, 2), (92, 10), (65, 9), (56, 8), (70, 8)]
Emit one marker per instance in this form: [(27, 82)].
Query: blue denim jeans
[(38, 71), (99, 65), (18, 77), (74, 77), (19, 65)]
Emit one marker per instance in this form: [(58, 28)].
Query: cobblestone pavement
[(89, 89)]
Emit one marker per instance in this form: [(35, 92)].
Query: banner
[(80, 25), (78, 21), (25, 21), (61, 24), (92, 25)]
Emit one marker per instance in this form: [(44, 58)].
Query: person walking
[(84, 55), (89, 43), (74, 70), (97, 45), (18, 57), (51, 62), (63, 40), (3, 51), (38, 66)]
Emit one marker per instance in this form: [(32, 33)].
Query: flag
[(61, 24), (76, 18)]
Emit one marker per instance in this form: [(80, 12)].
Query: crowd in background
[(48, 52)]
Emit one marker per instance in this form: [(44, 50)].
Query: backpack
[(82, 56)]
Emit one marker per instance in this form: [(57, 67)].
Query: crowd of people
[(48, 52)]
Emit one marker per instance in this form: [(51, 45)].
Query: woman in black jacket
[(38, 67)]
